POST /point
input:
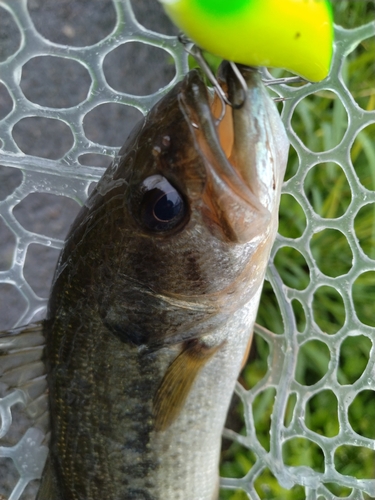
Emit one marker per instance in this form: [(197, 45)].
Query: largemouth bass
[(155, 296)]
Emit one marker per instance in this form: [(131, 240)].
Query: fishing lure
[(293, 34)]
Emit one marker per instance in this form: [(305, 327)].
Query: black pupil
[(162, 207), (168, 206)]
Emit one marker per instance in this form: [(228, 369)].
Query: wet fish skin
[(128, 302)]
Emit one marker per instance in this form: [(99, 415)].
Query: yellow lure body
[(293, 34)]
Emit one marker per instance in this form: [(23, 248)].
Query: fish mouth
[(245, 152)]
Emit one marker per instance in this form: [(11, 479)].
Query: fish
[(154, 300)]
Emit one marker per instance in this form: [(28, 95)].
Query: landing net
[(321, 277)]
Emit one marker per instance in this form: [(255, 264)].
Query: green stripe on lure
[(293, 34), (154, 300)]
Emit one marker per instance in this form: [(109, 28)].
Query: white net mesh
[(342, 272)]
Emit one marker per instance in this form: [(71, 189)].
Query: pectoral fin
[(22, 369), (177, 382)]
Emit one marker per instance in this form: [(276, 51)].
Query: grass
[(320, 121)]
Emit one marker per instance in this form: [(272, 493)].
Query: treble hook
[(197, 53), (287, 80), (243, 84)]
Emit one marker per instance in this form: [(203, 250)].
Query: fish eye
[(162, 207)]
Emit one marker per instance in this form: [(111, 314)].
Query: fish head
[(183, 220)]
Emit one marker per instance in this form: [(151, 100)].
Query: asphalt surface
[(48, 81)]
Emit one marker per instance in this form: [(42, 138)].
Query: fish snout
[(245, 154)]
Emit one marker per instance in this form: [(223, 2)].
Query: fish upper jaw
[(245, 155)]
